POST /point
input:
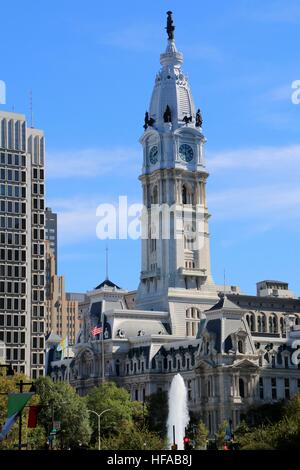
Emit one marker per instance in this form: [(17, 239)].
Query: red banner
[(32, 416)]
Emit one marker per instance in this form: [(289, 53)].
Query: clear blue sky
[(91, 66)]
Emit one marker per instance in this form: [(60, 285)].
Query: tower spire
[(170, 25)]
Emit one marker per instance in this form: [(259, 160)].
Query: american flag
[(97, 330)]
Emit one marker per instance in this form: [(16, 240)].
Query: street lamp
[(99, 428), (32, 390)]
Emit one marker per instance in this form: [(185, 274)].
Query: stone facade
[(62, 311), (233, 350)]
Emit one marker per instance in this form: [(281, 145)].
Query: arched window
[(263, 324), (275, 324), (252, 323), (208, 388), (259, 328), (242, 388), (241, 346), (154, 198), (184, 195), (187, 197), (282, 326)]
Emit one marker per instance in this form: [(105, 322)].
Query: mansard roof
[(224, 303), (107, 283)]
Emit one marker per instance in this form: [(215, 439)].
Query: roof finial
[(170, 26)]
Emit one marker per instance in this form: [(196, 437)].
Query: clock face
[(153, 154), (186, 153)]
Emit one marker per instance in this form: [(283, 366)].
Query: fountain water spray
[(178, 411)]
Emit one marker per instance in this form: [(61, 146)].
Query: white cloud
[(89, 163), (268, 205), (264, 158), (263, 206), (77, 220)]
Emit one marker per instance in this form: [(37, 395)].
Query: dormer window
[(241, 346)]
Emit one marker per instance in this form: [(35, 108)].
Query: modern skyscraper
[(51, 232), (22, 249)]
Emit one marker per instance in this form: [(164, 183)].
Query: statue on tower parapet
[(199, 119), (170, 26), (148, 121), (167, 114)]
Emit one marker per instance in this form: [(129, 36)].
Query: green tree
[(36, 438), (122, 410), (59, 402), (157, 405), (280, 434), (8, 384), (201, 435), (220, 435), (130, 437)]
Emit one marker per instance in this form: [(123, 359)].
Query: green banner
[(16, 402)]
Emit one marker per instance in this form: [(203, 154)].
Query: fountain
[(178, 411)]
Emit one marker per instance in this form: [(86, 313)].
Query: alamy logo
[(2, 92), (296, 94), (296, 354)]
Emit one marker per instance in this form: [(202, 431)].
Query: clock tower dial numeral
[(186, 153), (153, 155)]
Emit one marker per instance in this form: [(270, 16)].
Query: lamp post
[(52, 401), (32, 389), (99, 424)]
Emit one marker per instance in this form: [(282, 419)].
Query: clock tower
[(175, 239)]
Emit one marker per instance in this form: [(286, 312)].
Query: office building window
[(274, 388), (261, 388), (287, 388)]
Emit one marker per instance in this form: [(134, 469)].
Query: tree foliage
[(8, 384), (220, 435), (131, 437), (201, 436), (157, 405), (108, 396), (123, 427), (269, 433), (59, 402)]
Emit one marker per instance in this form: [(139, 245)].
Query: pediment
[(245, 364), (204, 364)]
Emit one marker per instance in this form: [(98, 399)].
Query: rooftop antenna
[(31, 109), (106, 262), (224, 282)]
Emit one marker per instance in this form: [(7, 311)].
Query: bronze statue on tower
[(170, 26)]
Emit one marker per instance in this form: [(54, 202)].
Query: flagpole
[(102, 349)]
